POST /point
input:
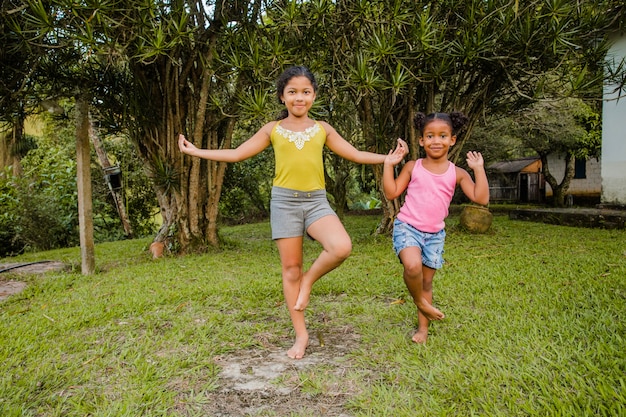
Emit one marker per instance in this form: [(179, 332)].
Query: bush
[(47, 209)]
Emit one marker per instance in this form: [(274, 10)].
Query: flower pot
[(476, 219), (157, 248)]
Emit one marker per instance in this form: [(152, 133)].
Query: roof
[(516, 165)]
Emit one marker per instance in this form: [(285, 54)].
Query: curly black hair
[(455, 119)]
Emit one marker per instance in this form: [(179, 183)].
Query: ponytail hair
[(283, 79), (456, 120)]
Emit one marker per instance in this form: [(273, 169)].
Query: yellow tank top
[(299, 163)]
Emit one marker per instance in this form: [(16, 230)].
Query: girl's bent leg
[(414, 279), (290, 250), (336, 244)]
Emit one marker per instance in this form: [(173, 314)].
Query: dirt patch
[(265, 382), (10, 286)]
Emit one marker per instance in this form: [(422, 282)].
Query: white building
[(614, 132), (587, 181)]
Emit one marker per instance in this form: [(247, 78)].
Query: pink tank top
[(428, 198)]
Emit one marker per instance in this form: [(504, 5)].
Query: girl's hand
[(396, 155), (402, 145), (475, 160), (185, 146)]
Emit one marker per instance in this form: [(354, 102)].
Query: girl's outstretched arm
[(477, 191), (259, 141), (343, 148)]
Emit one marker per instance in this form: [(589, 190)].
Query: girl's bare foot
[(420, 336), (299, 347), (429, 311), (303, 299)]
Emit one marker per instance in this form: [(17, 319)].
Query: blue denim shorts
[(431, 244), (293, 211)]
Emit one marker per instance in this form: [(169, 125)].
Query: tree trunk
[(8, 144), (188, 189), (83, 180), (214, 185), (559, 190), (366, 115)]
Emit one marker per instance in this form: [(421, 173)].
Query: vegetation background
[(141, 71)]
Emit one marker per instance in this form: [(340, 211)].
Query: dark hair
[(283, 79), (456, 120)]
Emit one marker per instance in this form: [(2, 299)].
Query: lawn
[(534, 327)]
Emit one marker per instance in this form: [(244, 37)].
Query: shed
[(516, 180)]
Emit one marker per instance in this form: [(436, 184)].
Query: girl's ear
[(452, 140)]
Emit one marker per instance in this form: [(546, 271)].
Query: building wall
[(614, 133), (591, 186)]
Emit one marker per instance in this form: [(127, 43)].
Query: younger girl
[(298, 204), (418, 232)]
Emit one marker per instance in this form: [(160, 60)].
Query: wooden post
[(83, 181)]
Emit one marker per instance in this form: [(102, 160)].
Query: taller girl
[(298, 202), (418, 232)]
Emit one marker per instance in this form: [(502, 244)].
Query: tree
[(195, 54), (157, 73), (52, 44)]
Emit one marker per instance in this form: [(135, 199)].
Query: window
[(580, 168)]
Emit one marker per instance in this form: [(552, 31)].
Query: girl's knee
[(292, 272), (413, 269), (342, 250)]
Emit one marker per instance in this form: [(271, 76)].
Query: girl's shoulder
[(409, 165), (270, 126), (327, 127), (460, 173)]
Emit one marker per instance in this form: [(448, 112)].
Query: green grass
[(534, 326)]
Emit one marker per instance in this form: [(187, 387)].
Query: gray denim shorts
[(293, 211), (431, 244)]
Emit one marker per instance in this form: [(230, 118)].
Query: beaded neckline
[(298, 138)]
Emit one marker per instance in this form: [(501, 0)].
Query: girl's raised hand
[(184, 145), (396, 155), (475, 160), (402, 146)]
